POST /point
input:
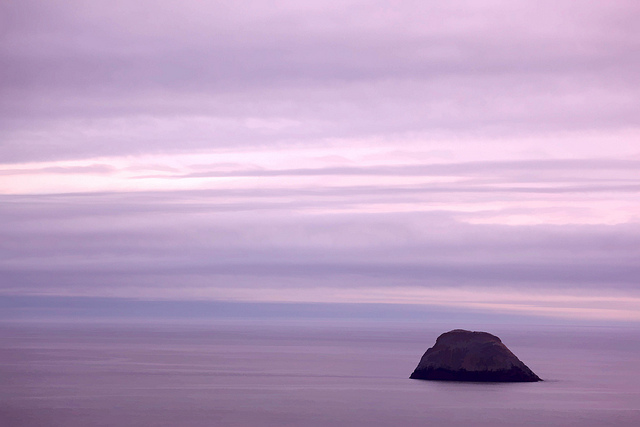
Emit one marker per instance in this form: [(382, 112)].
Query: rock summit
[(461, 355)]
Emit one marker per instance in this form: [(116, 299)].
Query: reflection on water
[(242, 374)]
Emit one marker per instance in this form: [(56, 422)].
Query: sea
[(307, 373)]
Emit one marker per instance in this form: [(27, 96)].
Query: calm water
[(243, 374)]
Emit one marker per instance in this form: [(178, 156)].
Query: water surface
[(315, 374)]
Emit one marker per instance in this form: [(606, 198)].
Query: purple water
[(244, 374)]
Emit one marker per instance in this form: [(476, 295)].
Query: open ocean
[(239, 373)]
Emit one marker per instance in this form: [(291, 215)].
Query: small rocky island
[(461, 355)]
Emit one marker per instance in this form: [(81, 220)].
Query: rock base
[(505, 376)]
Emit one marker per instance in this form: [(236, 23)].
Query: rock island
[(461, 355)]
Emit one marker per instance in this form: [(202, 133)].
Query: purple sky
[(464, 154)]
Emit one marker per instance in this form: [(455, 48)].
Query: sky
[(460, 155)]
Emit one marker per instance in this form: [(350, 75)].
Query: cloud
[(510, 171), (339, 152), (114, 78), (71, 170), (86, 240)]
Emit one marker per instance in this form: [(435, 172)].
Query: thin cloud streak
[(56, 170), (456, 169)]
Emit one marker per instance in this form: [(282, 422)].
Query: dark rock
[(461, 355)]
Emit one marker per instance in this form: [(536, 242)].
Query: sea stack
[(461, 355)]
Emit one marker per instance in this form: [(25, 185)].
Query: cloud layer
[(459, 154)]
